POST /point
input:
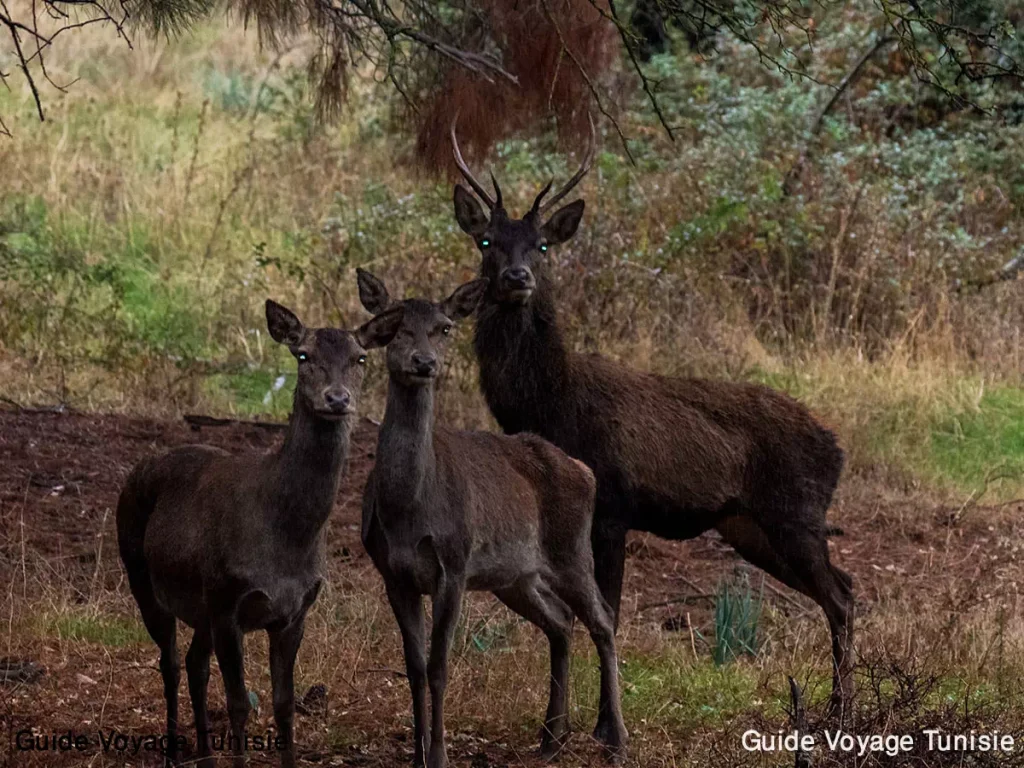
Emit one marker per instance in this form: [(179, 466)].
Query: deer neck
[(405, 451), (524, 363), (308, 468)]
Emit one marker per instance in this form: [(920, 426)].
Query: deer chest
[(277, 605), (403, 556)]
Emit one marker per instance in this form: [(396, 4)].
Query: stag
[(672, 456), (446, 510), (231, 544)]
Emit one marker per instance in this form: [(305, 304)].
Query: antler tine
[(497, 192), (464, 170), (588, 160), (535, 208)]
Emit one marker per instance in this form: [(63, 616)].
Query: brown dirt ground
[(60, 475)]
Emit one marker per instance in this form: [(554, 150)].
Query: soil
[(60, 475)]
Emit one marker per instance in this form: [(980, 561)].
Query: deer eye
[(543, 247), (302, 357), (362, 360), (485, 243), (446, 330)]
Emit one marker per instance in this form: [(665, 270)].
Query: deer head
[(512, 249), (416, 353), (331, 361)]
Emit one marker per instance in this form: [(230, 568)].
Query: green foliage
[(87, 293), (760, 191), (737, 618), (487, 636), (723, 215)]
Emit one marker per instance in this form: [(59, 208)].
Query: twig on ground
[(802, 759), (58, 408), (18, 672), (791, 600), (198, 420)]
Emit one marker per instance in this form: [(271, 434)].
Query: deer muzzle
[(517, 283)]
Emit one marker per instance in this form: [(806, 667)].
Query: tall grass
[(174, 187)]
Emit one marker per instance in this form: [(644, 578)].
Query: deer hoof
[(551, 746), (616, 755), (604, 731)]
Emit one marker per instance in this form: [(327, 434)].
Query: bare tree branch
[(1011, 270), (815, 126), (624, 36), (31, 31), (881, 41), (590, 83), (13, 27), (482, 64), (411, 43)]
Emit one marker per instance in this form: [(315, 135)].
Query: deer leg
[(535, 602), (579, 590), (608, 541), (408, 608), (197, 664), (842, 642), (171, 671), (841, 613), (227, 644), (447, 604), (162, 627), (284, 647), (800, 560)]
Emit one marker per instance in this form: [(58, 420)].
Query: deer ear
[(563, 224), (464, 299), (284, 326), (380, 330), (469, 213), (372, 292)]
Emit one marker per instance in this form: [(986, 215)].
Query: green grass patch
[(672, 688), (103, 629), (94, 290), (982, 445), (950, 433), (254, 392)]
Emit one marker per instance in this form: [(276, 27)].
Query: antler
[(588, 159), (497, 193), (537, 209), (464, 170)]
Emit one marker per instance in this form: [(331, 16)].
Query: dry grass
[(177, 185), (939, 627)]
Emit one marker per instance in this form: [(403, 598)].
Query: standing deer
[(445, 511), (232, 544), (676, 457)]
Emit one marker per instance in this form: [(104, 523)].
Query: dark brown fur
[(445, 511), (231, 545), (675, 457)]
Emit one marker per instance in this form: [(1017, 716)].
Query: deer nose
[(517, 277), (338, 400), (423, 364)]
